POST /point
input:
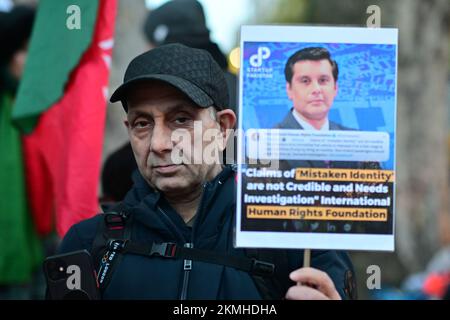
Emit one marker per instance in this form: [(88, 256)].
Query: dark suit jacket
[(289, 122)]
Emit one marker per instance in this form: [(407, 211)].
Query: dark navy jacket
[(140, 277)]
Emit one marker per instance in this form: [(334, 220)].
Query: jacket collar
[(147, 205)]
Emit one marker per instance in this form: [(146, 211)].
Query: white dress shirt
[(306, 125)]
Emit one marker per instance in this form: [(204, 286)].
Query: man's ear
[(227, 121)]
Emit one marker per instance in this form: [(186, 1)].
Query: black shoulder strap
[(171, 250), (114, 225), (275, 287), (268, 267)]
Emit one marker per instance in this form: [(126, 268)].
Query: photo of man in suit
[(311, 84)]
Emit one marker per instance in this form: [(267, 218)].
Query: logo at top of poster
[(258, 69), (256, 60)]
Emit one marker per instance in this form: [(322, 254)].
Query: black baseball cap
[(192, 71)]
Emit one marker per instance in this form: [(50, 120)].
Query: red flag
[(63, 154)]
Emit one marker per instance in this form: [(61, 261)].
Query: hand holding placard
[(312, 284)]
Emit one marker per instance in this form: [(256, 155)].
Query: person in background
[(116, 177), (183, 21)]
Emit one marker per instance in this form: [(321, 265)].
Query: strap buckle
[(262, 268), (114, 220), (165, 249), (116, 245)]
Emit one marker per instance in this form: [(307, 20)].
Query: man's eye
[(141, 124), (304, 80), (324, 80), (182, 120)]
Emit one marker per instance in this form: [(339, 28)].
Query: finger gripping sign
[(317, 154)]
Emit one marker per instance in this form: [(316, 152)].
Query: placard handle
[(306, 258)]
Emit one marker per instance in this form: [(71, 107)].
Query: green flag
[(62, 32), (20, 250)]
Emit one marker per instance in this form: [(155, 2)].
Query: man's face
[(312, 89), (17, 62), (155, 111)]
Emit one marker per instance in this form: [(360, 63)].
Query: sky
[(223, 18)]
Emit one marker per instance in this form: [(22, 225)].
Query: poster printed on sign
[(316, 155)]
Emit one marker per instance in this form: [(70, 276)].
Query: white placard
[(318, 146)]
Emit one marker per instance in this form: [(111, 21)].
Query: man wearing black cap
[(173, 236), (176, 21)]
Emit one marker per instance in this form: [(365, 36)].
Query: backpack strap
[(276, 286), (173, 251), (268, 267), (113, 240), (114, 225)]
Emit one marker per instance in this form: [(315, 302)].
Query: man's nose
[(316, 87), (161, 140)]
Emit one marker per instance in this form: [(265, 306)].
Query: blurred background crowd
[(420, 266)]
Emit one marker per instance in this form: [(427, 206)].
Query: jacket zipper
[(187, 267), (187, 264)]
